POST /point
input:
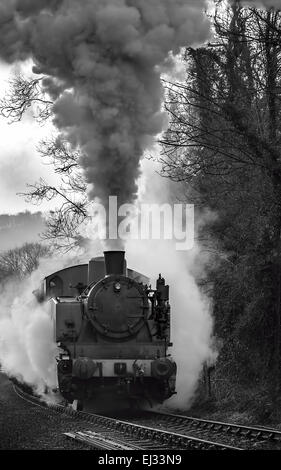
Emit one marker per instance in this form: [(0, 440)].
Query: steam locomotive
[(113, 332)]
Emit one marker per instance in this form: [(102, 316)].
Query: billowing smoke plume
[(103, 60)]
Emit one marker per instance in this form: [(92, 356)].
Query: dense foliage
[(224, 142)]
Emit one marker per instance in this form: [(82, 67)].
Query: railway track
[(102, 432), (242, 436), (152, 430)]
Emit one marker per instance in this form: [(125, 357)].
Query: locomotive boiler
[(112, 330)]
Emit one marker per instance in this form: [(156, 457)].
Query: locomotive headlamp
[(117, 286)]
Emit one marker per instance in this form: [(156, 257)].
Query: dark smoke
[(103, 60)]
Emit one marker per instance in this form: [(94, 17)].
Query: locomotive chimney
[(114, 262)]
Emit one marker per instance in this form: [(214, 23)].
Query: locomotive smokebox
[(114, 262)]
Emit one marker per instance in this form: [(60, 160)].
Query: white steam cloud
[(191, 320), (103, 60), (27, 347)]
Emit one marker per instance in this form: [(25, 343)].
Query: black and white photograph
[(140, 228)]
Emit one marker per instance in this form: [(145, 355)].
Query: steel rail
[(148, 436), (247, 431)]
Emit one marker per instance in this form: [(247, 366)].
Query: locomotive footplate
[(85, 378)]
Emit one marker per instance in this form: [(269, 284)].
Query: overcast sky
[(19, 162)]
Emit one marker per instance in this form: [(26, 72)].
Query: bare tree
[(224, 142), (22, 94), (62, 226), (63, 223), (21, 262)]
